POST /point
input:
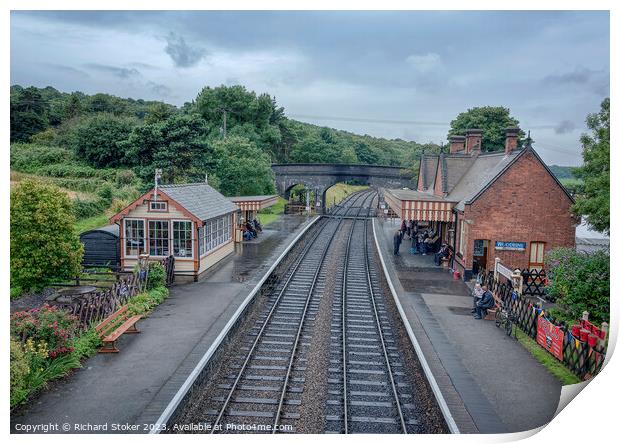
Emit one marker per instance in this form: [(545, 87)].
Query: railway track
[(359, 378)]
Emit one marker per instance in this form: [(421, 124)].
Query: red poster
[(550, 337)]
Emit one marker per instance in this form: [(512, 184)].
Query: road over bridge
[(320, 176)]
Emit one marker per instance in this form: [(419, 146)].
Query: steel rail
[(344, 332), (303, 254), (379, 328), (299, 329)]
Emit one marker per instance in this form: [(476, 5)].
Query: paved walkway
[(491, 383), (134, 386)]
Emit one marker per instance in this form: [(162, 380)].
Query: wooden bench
[(114, 326), (490, 316)]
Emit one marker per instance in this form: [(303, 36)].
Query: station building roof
[(200, 199)]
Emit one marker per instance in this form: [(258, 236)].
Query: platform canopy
[(254, 203), (420, 206)]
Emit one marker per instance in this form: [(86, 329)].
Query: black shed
[(102, 247)]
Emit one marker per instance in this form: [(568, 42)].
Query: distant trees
[(492, 120), (593, 198), (44, 246)]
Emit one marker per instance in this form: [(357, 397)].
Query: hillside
[(103, 150)]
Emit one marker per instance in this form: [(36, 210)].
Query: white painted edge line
[(416, 345), (180, 394)]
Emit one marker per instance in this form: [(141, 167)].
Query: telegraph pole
[(224, 110)]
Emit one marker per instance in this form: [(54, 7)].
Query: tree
[(492, 120), (44, 246), (98, 139), (28, 114), (159, 112), (243, 169), (177, 145), (594, 198)]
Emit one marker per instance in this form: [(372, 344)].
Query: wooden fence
[(582, 357), (96, 306)]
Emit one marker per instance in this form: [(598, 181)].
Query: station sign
[(512, 246)]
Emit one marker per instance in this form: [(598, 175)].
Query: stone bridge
[(319, 177)]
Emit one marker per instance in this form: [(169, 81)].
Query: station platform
[(135, 385), (489, 381)]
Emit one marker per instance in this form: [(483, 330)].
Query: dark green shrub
[(157, 275), (579, 282), (125, 177), (44, 246), (88, 208)]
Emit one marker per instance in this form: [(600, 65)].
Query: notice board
[(550, 337)]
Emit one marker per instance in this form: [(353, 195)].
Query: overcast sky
[(390, 74)]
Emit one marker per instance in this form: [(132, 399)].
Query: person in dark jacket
[(397, 240), (485, 303)]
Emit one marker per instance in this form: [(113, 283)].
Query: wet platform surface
[(490, 382), (135, 385)]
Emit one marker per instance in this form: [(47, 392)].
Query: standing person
[(397, 240), (403, 228), (421, 242)]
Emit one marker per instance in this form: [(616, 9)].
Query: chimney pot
[(512, 138), (457, 144), (473, 140)]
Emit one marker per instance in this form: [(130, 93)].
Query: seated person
[(251, 229), (485, 303), (444, 251), (477, 295), (257, 225)]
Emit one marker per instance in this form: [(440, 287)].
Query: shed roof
[(200, 199), (252, 198), (113, 229)]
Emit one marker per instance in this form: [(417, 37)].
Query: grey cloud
[(182, 54), (578, 76), (67, 69), (159, 89), (564, 127), (120, 72)]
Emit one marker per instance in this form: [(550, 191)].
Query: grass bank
[(273, 213), (340, 191), (555, 367)]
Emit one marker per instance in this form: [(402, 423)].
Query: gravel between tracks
[(314, 397)]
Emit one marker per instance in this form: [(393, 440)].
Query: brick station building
[(504, 204)]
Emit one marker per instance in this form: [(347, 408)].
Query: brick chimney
[(473, 140), (512, 138), (457, 144)]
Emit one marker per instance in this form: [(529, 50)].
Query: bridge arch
[(320, 177)]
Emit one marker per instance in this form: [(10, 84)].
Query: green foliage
[(580, 282), (98, 140), (145, 302), (594, 198), (243, 169), (16, 292), (19, 373), (562, 172), (29, 114), (86, 344), (157, 275), (492, 120), (44, 246), (30, 158)]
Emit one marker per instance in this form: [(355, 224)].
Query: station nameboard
[(515, 246)]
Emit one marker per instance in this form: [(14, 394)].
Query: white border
[(427, 370), (180, 394)]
